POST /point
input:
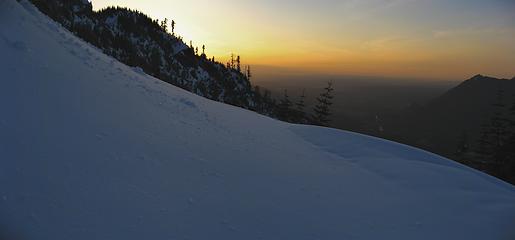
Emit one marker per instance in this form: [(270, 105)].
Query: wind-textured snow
[(93, 149)]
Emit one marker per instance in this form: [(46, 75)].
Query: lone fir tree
[(284, 111), (300, 105), (238, 63), (322, 109), (249, 74)]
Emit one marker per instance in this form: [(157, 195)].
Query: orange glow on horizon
[(347, 38)]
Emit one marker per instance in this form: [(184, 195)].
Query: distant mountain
[(465, 109)]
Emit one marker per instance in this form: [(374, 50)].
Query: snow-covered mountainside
[(137, 40), (93, 149)]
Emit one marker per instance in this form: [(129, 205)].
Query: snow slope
[(92, 149)]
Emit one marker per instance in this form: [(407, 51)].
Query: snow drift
[(92, 149)]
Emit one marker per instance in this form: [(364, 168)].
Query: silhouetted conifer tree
[(232, 61), (238, 63), (164, 25), (322, 109), (301, 104), (284, 108), (173, 27), (249, 74)]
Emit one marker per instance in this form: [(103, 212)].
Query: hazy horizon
[(414, 39), (265, 74)]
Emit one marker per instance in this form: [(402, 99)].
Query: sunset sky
[(439, 39)]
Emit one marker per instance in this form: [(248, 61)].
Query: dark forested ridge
[(140, 41)]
